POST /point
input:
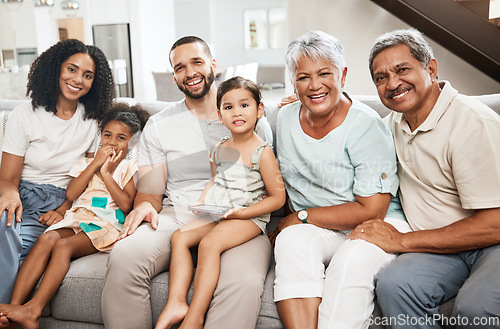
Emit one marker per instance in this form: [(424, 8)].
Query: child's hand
[(50, 217), (111, 163), (198, 202), (103, 154), (234, 213)]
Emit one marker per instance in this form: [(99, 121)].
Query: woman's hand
[(11, 203), (289, 220), (50, 217)]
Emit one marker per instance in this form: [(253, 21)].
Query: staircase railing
[(455, 27)]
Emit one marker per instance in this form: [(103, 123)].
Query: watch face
[(302, 214)]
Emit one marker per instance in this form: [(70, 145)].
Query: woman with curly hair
[(70, 86)]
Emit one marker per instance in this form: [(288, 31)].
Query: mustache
[(399, 90)]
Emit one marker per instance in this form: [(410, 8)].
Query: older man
[(449, 169)]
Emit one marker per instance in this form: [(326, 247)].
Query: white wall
[(17, 26), (32, 27), (151, 25), (152, 34), (357, 23), (193, 17), (220, 24), (228, 33)]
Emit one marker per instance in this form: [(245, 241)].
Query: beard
[(209, 80)]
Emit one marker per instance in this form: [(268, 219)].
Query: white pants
[(317, 262)]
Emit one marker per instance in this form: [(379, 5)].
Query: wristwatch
[(302, 215)]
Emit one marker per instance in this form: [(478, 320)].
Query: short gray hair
[(315, 44), (412, 38)]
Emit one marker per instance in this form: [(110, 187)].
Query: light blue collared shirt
[(356, 158)]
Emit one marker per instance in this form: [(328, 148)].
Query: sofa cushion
[(268, 314), (79, 297), (4, 116), (10, 104)]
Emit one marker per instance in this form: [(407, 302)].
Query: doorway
[(71, 28), (114, 41)]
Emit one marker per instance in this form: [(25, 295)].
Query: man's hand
[(379, 233), (288, 100), (11, 203), (50, 217), (289, 220), (143, 212)]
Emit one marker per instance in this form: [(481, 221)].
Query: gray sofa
[(77, 304)]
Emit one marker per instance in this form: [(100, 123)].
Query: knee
[(131, 262), (120, 259), (392, 284), (3, 219), (465, 309), (3, 224), (358, 252), (48, 239), (362, 260), (475, 304), (179, 239), (244, 280), (290, 240), (209, 245), (62, 249)]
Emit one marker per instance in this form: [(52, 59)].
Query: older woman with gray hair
[(339, 166)]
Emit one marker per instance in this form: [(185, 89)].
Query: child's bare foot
[(21, 315), (172, 314), (4, 322)]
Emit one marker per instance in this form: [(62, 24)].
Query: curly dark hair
[(43, 78), (133, 116)]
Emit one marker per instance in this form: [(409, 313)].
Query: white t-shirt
[(450, 164), (50, 145)]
